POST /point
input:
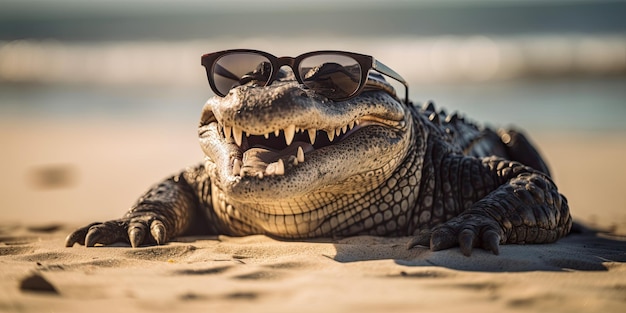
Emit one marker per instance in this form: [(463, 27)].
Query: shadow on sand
[(583, 250)]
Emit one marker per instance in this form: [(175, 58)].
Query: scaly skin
[(376, 167)]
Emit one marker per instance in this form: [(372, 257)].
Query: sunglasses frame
[(366, 63)]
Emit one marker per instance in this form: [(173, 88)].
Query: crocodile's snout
[(265, 140)]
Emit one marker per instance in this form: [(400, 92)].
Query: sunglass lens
[(333, 75), (235, 69)]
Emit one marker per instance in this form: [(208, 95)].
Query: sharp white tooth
[(289, 133), (338, 131), (351, 125), (312, 133), (280, 167), (344, 128), (267, 136), (270, 169), (236, 167), (227, 132), (300, 155), (260, 175), (358, 122), (277, 132), (237, 132), (331, 135), (247, 134)]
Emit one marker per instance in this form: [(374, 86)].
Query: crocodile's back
[(478, 141)]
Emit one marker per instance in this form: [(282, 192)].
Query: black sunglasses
[(337, 75)]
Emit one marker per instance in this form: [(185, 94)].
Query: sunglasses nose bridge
[(286, 61)]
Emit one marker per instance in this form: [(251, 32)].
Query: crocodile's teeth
[(260, 175), (357, 122), (290, 131), (331, 135), (236, 167), (312, 133), (351, 125), (227, 131), (300, 155), (344, 128), (267, 136), (280, 167), (237, 133), (338, 131), (270, 169), (277, 132)]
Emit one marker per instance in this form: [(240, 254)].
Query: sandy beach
[(61, 175)]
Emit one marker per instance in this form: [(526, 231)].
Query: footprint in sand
[(203, 271), (286, 265), (260, 275), (13, 250), (239, 295), (425, 274), (161, 253)]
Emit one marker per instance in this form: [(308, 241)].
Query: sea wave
[(440, 59)]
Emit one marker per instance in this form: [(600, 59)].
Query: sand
[(78, 172)]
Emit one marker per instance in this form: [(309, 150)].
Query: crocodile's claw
[(465, 231), (134, 231)]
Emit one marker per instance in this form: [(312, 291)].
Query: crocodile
[(286, 162)]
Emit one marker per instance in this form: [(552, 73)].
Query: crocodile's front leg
[(167, 210), (503, 202)]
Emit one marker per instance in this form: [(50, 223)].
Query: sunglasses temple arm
[(384, 69)]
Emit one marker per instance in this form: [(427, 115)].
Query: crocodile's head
[(282, 142)]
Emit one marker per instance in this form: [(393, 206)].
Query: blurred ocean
[(549, 65)]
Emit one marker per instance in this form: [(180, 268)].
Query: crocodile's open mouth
[(275, 152)]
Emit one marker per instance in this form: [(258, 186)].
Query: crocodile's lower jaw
[(361, 160)]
